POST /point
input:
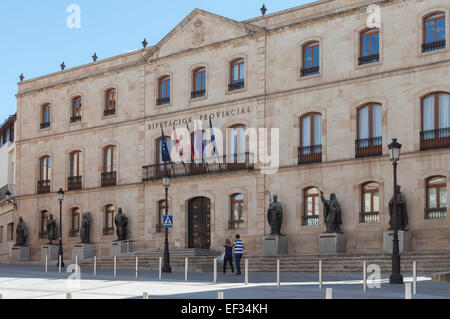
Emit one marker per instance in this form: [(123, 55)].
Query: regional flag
[(164, 151)]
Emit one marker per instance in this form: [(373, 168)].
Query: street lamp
[(166, 267), (60, 252), (396, 277), (10, 199)]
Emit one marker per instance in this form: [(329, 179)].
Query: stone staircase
[(428, 262)]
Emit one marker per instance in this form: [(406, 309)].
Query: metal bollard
[(186, 265), (115, 266), (320, 274), (145, 295), (408, 290), (414, 278), (76, 265), (329, 293), (59, 264), (68, 295), (137, 267), (220, 295), (160, 268), (246, 271), (95, 266), (46, 263), (364, 276), (215, 270), (278, 272)]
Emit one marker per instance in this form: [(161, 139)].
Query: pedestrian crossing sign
[(168, 221)]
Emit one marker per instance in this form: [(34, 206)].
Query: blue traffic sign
[(168, 221)]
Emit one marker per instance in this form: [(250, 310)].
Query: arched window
[(237, 74), (370, 203), (110, 102), (109, 175), (45, 115), (435, 121), (163, 90), (75, 177), (108, 229), (436, 201), (75, 222), (45, 173), (370, 130), (76, 109), (310, 150), (43, 218), (311, 206), (237, 210), (369, 46), (199, 83), (160, 215), (434, 32), (311, 59)]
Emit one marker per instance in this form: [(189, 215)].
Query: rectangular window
[(10, 232), (1, 234)]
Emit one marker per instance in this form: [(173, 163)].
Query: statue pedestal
[(118, 248), (274, 245), (332, 243), (20, 253), (83, 251), (404, 241), (49, 250)]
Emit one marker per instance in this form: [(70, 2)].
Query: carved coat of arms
[(199, 35)]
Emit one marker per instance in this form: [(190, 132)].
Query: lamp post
[(396, 277), (60, 252), (166, 266)]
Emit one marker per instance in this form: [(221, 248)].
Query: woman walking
[(228, 257)]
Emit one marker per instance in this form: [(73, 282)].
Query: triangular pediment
[(199, 29)]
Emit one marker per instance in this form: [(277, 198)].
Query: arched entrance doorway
[(199, 223)]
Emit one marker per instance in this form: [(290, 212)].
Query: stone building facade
[(339, 78)]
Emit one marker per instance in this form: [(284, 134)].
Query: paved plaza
[(32, 282)]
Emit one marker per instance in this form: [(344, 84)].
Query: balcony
[(109, 179), (74, 233), (433, 46), (309, 71), (75, 183), (310, 220), (45, 125), (435, 139), (239, 162), (196, 94), (310, 154), (43, 235), (43, 187), (368, 59), (108, 231), (75, 119), (369, 217), (236, 86), (162, 101), (109, 112), (369, 147), (436, 213)]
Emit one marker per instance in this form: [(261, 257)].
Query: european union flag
[(164, 151)]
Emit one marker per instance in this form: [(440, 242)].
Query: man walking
[(238, 252)]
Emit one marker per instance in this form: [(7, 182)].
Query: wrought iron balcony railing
[(234, 224), (74, 233), (309, 71), (162, 101), (74, 119), (45, 125), (369, 147), (109, 179), (368, 59), (43, 187), (196, 94), (108, 112), (43, 235), (369, 217), (433, 46), (310, 220), (310, 154), (75, 183), (108, 231), (236, 86), (218, 165), (436, 213), (435, 139)]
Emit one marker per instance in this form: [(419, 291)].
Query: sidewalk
[(31, 282)]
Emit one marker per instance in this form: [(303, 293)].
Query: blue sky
[(35, 39)]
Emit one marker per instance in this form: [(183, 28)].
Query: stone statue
[(332, 213), (121, 222), (51, 229), (402, 214), (21, 233), (275, 216), (85, 228)]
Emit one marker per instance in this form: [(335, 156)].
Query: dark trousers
[(238, 262), (228, 259)]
